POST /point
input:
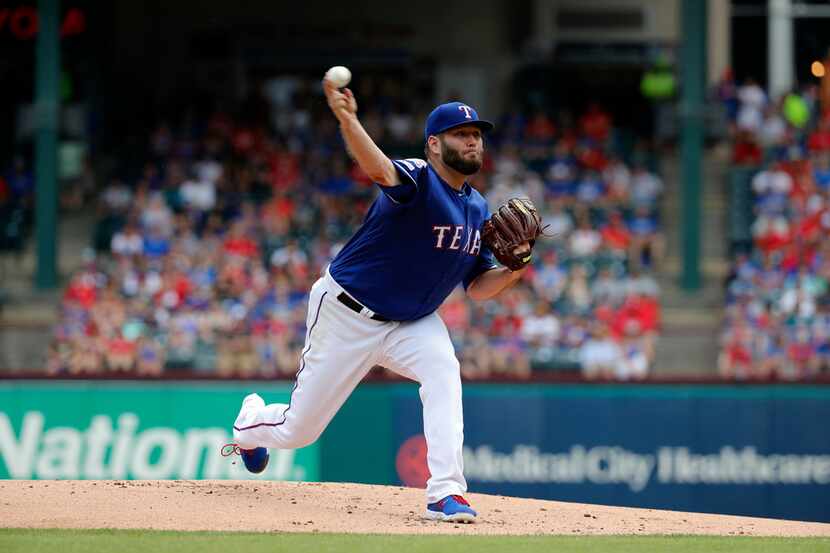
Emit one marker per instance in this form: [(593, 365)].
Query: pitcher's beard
[(453, 159)]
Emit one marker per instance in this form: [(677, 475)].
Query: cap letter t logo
[(466, 110)]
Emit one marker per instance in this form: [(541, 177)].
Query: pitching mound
[(353, 508)]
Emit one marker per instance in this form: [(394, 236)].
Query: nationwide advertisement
[(132, 431)]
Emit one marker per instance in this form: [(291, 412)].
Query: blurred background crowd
[(205, 248), (208, 181), (777, 314)]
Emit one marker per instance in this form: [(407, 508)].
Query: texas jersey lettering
[(421, 236)]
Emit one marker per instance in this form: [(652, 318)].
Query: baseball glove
[(514, 223)]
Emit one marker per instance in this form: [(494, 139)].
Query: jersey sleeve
[(484, 262), (409, 170)]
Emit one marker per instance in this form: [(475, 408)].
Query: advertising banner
[(133, 430), (751, 451)]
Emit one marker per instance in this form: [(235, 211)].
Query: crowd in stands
[(204, 254), (777, 317), (17, 187)]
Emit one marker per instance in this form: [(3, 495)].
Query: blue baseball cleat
[(452, 508), (255, 459)]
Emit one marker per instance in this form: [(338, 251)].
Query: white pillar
[(780, 46), (719, 35)]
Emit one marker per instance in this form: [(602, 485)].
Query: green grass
[(139, 541)]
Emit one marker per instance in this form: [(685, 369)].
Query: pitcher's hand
[(341, 102)]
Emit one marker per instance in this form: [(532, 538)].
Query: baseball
[(339, 76)]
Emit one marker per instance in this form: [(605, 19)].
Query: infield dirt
[(262, 506)]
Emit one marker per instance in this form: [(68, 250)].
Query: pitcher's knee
[(447, 379)]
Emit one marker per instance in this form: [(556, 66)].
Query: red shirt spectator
[(285, 170), (540, 127), (746, 150), (615, 234), (121, 346), (242, 246), (182, 286), (820, 139), (596, 124), (800, 352), (82, 290), (592, 158), (809, 228), (738, 353), (791, 259), (638, 315), (505, 325), (280, 207), (771, 233), (238, 243), (803, 182)]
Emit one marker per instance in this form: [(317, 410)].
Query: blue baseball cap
[(453, 114)]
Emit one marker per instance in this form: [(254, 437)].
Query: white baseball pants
[(341, 346)]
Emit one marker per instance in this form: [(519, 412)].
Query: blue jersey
[(420, 240)]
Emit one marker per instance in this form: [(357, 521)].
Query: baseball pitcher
[(427, 232)]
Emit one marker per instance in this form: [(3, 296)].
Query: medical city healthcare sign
[(748, 450)]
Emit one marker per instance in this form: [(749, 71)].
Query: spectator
[(157, 216), (128, 242), (618, 179), (561, 172), (821, 172), (746, 150), (542, 327), (199, 194), (752, 101), (646, 240), (735, 360), (600, 355), (606, 289), (773, 130), (634, 360), (819, 140), (615, 235), (559, 222), (585, 241), (645, 188)]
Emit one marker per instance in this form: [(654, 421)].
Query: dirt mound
[(354, 508)]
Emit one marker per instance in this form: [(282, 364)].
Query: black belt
[(357, 308)]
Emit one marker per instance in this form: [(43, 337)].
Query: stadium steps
[(691, 320), (27, 315)]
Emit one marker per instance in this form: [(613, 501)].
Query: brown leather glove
[(514, 223)]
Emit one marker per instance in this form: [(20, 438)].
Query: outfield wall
[(753, 450)]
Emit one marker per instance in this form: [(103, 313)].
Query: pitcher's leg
[(340, 349), (444, 432), (422, 350)]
